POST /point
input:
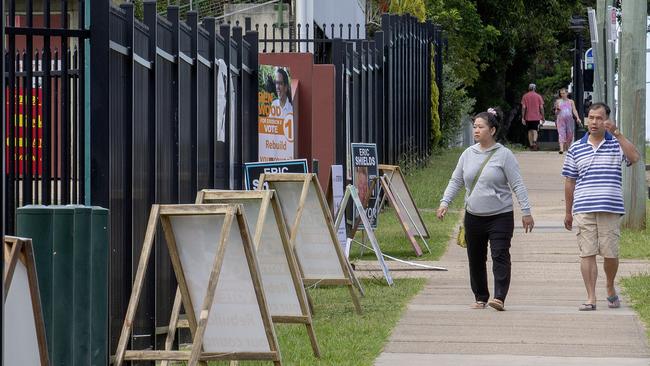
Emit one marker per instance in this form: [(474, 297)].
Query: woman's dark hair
[(285, 81), (493, 120)]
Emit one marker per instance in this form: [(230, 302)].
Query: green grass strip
[(346, 338), (635, 244), (637, 289)]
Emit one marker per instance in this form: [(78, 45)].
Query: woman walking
[(565, 110), (488, 170)]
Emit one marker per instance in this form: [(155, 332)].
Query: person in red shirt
[(532, 114)]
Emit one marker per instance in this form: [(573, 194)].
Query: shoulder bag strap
[(478, 175)]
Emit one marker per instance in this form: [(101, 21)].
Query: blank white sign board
[(235, 323), (404, 198), (278, 284), (314, 248), (19, 332)]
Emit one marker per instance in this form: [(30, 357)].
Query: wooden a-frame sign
[(406, 202), (23, 330), (220, 284), (311, 228), (400, 214), (280, 272)]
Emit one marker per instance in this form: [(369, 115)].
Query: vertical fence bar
[(151, 21), (338, 56), (27, 102), (10, 195), (251, 144), (224, 31), (210, 25), (56, 128), (46, 177), (65, 110), (124, 135), (81, 108), (237, 169), (380, 95), (12, 131), (75, 128), (193, 23), (37, 113)]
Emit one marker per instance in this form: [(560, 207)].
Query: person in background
[(532, 114), (488, 171), (565, 111), (593, 192)]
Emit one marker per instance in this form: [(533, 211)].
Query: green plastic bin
[(71, 254)]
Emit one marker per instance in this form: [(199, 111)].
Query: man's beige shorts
[(598, 233)]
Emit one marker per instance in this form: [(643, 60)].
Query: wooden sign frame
[(20, 249), (351, 193), (400, 215), (310, 181), (394, 171), (268, 201), (198, 325)]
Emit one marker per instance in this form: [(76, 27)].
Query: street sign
[(589, 59)]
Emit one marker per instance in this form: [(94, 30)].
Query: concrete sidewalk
[(542, 324)]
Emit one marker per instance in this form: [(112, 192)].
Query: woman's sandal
[(587, 307), (613, 302), (478, 305), (496, 304)]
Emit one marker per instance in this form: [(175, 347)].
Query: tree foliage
[(417, 8), (466, 35), (534, 45), (436, 128)]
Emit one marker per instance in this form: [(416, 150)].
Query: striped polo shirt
[(598, 175)]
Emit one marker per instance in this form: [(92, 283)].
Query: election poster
[(276, 125), (364, 171), (253, 170)]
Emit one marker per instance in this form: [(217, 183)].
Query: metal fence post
[(380, 96), (209, 24), (237, 129), (250, 112), (99, 108), (339, 119), (193, 22), (224, 31)]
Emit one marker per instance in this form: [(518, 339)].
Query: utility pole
[(632, 106), (611, 35), (599, 51)]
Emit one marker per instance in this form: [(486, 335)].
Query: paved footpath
[(542, 325)]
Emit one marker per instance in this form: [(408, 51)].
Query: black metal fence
[(179, 115), (174, 110), (383, 82), (45, 120)]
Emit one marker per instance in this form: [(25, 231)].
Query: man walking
[(532, 114), (594, 198)]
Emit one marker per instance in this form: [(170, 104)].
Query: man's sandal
[(587, 307), (613, 302), (478, 305), (496, 304)]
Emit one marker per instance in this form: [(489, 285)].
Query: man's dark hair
[(600, 105)]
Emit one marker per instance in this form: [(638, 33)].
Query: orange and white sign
[(276, 125)]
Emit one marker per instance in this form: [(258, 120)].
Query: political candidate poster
[(364, 171), (276, 125)]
